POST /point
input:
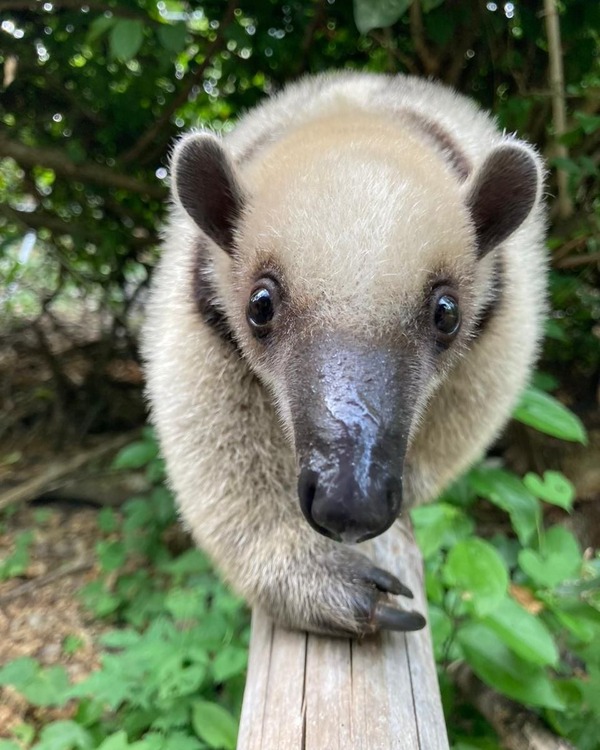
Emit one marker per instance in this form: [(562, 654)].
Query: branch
[(517, 728), (39, 219), (45, 479), (559, 115), (577, 260), (57, 160), (68, 569), (35, 6), (429, 61), (319, 15), (386, 42), (213, 48)]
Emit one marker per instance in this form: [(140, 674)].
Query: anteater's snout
[(337, 504)]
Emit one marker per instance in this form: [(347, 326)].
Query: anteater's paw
[(342, 593)]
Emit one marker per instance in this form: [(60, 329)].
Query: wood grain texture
[(309, 692)]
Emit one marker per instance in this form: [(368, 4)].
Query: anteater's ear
[(204, 183), (502, 193)]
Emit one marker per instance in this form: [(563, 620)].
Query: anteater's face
[(348, 274)]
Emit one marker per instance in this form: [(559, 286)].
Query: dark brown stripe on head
[(205, 296), (492, 305), (440, 139), (263, 140)]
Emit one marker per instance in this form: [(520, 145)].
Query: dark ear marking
[(205, 296), (495, 300), (205, 184), (502, 195)]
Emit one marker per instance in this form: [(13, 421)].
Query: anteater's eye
[(262, 306), (446, 317)]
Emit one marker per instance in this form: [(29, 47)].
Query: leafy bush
[(172, 672), (521, 608)]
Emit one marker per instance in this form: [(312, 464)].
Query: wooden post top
[(310, 692)]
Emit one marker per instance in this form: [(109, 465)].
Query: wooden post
[(309, 692)]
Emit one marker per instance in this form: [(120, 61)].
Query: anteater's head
[(352, 268)]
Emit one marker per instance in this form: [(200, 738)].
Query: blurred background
[(113, 631)]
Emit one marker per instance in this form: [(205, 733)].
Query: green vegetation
[(521, 608), (172, 672), (92, 96)]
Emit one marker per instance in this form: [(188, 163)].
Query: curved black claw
[(390, 618), (385, 581)]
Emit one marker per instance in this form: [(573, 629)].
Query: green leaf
[(172, 36), (439, 525), (213, 724), (581, 619), (441, 629), (19, 672), (135, 455), (523, 633), (428, 5), (111, 555), (42, 687), (495, 664), (554, 488), (378, 14), (559, 558), (508, 492), (547, 414), (477, 570), (64, 735), (116, 741), (100, 26), (229, 662), (589, 123), (126, 37), (108, 521)]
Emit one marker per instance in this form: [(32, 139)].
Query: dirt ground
[(40, 609)]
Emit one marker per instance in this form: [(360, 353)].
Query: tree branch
[(180, 98), (57, 160), (39, 219), (430, 63), (559, 114), (386, 42), (319, 15), (575, 261), (36, 6)]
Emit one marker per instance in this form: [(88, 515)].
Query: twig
[(35, 486), (385, 41), (517, 728), (575, 261), (216, 46), (429, 61), (37, 6), (559, 113), (565, 249), (77, 566), (57, 160), (319, 12)]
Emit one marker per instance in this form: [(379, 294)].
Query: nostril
[(393, 495), (307, 489), (308, 483)]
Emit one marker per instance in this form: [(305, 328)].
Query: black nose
[(336, 505)]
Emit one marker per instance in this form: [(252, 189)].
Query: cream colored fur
[(359, 208)]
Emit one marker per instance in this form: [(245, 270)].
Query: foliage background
[(91, 99)]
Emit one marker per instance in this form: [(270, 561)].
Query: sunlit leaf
[(499, 667), (378, 14), (547, 414), (126, 38), (474, 567)]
